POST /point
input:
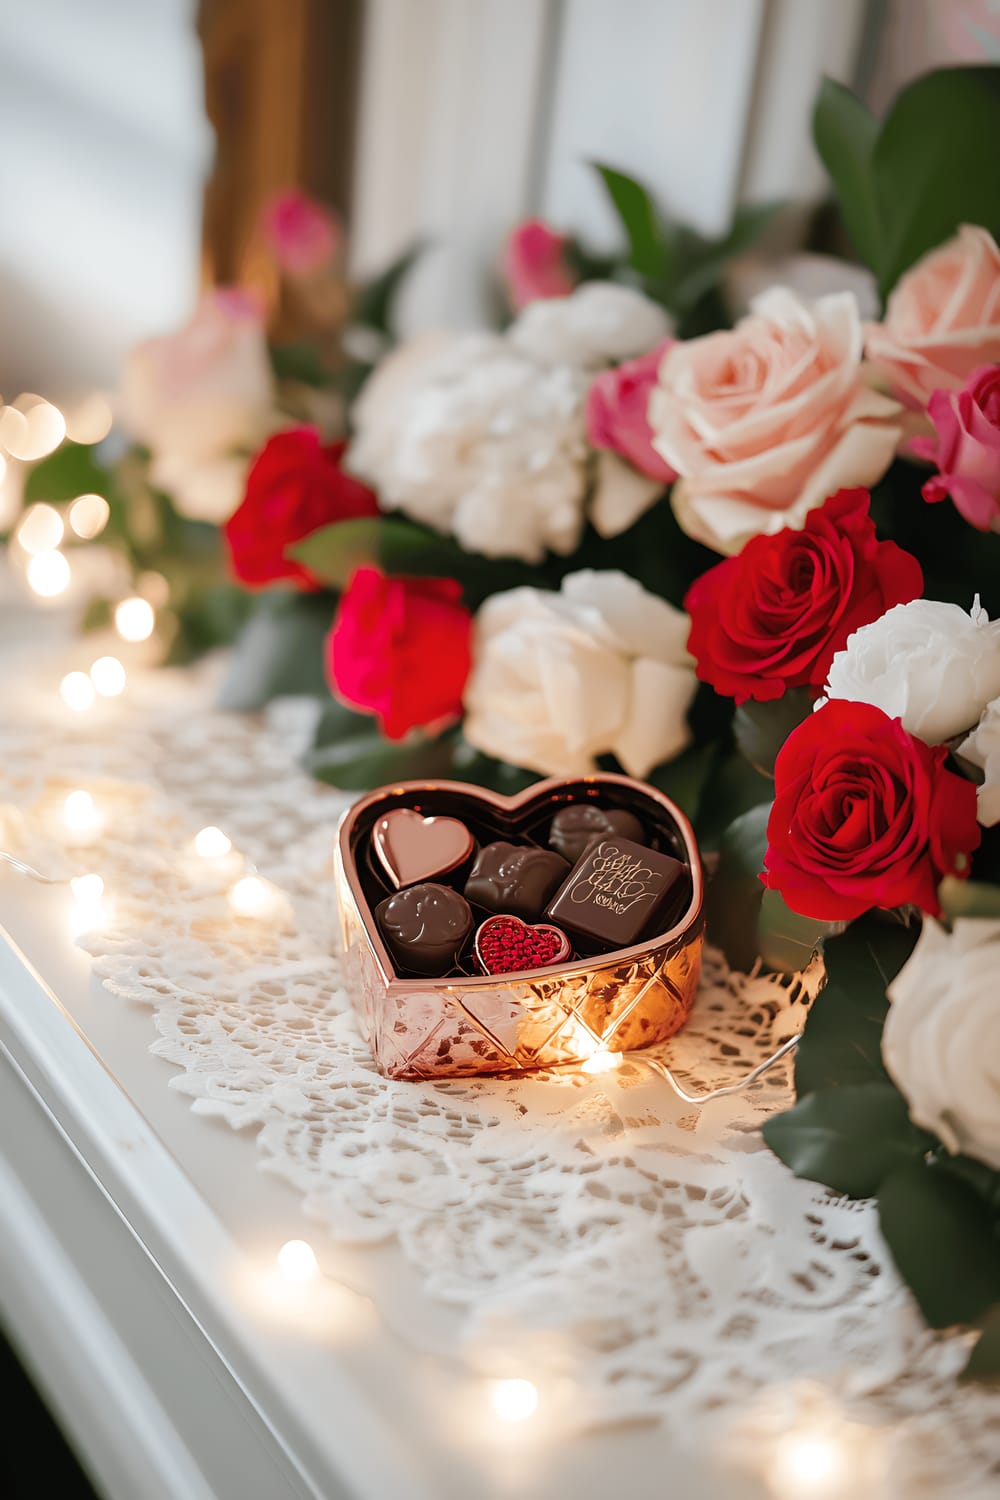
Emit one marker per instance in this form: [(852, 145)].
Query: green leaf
[(968, 898), (842, 1041), (376, 301), (301, 362), (367, 760), (845, 135), (928, 165), (984, 1361), (279, 652), (649, 251), (733, 788), (683, 779), (708, 262), (944, 1242), (338, 722), (760, 729), (70, 471), (734, 892), (786, 940), (851, 1138)]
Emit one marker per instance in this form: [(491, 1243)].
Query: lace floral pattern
[(658, 1256)]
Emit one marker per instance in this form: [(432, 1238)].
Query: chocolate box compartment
[(464, 1025)]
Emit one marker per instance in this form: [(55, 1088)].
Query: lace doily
[(659, 1258)]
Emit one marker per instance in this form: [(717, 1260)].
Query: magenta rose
[(304, 236), (617, 417), (967, 448), (535, 264)]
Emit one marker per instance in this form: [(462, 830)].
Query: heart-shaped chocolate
[(506, 945), (412, 848)]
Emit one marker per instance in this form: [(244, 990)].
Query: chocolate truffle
[(516, 879), (618, 890), (576, 827), (424, 927)]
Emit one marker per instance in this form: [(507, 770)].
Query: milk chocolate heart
[(506, 945), (412, 848)]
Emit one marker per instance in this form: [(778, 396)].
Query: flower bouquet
[(757, 566)]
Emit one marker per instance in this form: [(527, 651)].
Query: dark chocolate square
[(616, 891)]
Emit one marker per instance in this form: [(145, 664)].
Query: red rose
[(294, 487), (400, 648), (774, 616), (865, 815)]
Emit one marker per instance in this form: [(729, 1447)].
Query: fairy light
[(513, 1400), (88, 516), (808, 1464), (41, 529), (87, 888), (212, 843), (32, 428), (602, 1061), (251, 897), (134, 619), (87, 911), (108, 676), (297, 1261), (90, 420), (77, 691), (13, 429), (49, 574), (79, 812)]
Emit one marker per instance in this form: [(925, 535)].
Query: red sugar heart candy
[(506, 945)]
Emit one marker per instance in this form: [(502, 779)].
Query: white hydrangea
[(484, 435)]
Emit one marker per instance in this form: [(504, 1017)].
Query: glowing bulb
[(514, 1400), (134, 619), (48, 574), (32, 428), (108, 676), (251, 897), (211, 843), (79, 812), (90, 420), (13, 429), (77, 691), (41, 529), (297, 1261), (88, 516), (808, 1464), (87, 889), (602, 1061)]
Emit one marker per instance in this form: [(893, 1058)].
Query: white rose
[(982, 748), (941, 1041), (600, 323), (196, 395), (207, 489), (929, 664), (560, 678)]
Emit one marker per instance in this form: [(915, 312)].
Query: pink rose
[(942, 320), (967, 449), (617, 413), (765, 421), (534, 264), (304, 236)]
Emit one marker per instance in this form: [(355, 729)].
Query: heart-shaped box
[(465, 1024)]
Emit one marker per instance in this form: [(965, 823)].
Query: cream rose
[(942, 320), (599, 324), (766, 421), (929, 664), (941, 1042), (982, 748), (198, 397), (560, 678)]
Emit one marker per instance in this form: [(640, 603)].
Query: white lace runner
[(658, 1257)]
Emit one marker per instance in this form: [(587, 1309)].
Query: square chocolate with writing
[(616, 891)]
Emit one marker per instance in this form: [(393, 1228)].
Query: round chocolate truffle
[(576, 827), (516, 879), (425, 926)]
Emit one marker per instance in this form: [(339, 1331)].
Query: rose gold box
[(467, 1022)]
